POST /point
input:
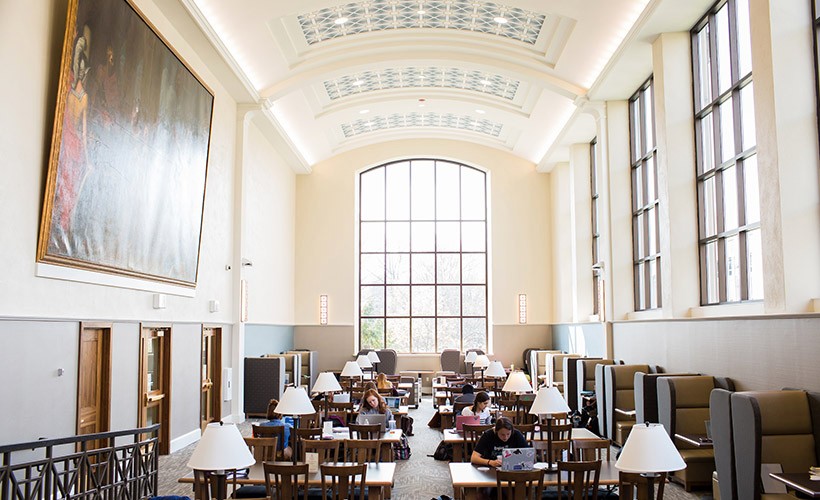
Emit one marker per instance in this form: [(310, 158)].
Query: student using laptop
[(488, 449), (481, 407), (372, 404)]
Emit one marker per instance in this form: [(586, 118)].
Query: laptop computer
[(341, 398), (392, 402), (375, 418), (518, 459), (466, 419)]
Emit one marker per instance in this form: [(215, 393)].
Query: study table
[(799, 481), (696, 440), (379, 477), (457, 440)]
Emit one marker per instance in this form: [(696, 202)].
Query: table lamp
[(496, 372), (373, 356), (364, 363), (649, 450), (469, 358), (295, 402), (221, 449), (549, 401), (481, 362), (326, 384), (351, 370), (517, 383)]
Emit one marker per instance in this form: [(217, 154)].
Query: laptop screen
[(518, 459), (377, 418), (392, 402)]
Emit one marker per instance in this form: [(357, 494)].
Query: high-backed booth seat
[(646, 394), (555, 369), (538, 365), (264, 380), (724, 482), (451, 360), (591, 378), (292, 364), (683, 408), (571, 393), (773, 427), (308, 363), (619, 394), (388, 359)]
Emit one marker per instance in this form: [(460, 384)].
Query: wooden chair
[(365, 431), (309, 421), (519, 485), (579, 480), (206, 485), (328, 449), (631, 484), (560, 449), (339, 482), (271, 431), (263, 449), (363, 450), (299, 435), (560, 432), (591, 449), (282, 481), (457, 407), (471, 435)]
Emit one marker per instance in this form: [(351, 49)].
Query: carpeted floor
[(420, 478)]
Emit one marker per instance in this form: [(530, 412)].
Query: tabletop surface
[(378, 474), (466, 475), (451, 436), (800, 481)]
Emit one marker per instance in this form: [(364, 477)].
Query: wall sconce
[(522, 308), (322, 309)]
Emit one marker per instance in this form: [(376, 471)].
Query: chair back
[(528, 430), (328, 449), (263, 449), (339, 482), (631, 484), (591, 449), (559, 432), (365, 431), (471, 435), (579, 480), (519, 485), (297, 436), (361, 451), (457, 407), (267, 431), (309, 421), (560, 451), (451, 360), (282, 481)]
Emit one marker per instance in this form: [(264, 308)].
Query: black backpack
[(444, 451)]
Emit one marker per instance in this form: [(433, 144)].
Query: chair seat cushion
[(250, 491), (699, 455)]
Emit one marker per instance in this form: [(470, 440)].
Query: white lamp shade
[(352, 369), (481, 361), (649, 449), (373, 356), (326, 382), (221, 448), (548, 400), (517, 382), (364, 362), (470, 357), (496, 369), (295, 401)]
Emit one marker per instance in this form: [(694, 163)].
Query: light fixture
[(480, 111), (548, 401), (421, 12), (485, 82), (522, 308), (481, 363), (322, 309), (649, 451), (359, 82), (364, 111), (517, 383), (295, 402), (496, 372), (470, 357), (500, 20), (352, 369), (373, 356), (221, 449), (340, 20)]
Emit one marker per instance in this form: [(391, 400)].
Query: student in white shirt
[(481, 407)]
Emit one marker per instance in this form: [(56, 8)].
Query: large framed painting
[(129, 154)]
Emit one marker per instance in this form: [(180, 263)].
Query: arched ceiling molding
[(379, 137)]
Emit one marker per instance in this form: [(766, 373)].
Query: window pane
[(712, 290), (474, 301), (727, 130), (652, 235), (724, 63), (640, 235), (398, 301), (372, 236), (448, 237), (372, 301), (707, 144), (447, 191), (423, 268), (752, 190), (473, 238), (651, 194), (744, 44), (648, 122), (653, 283), (747, 116), (424, 301), (372, 269), (449, 333), (424, 334), (398, 334), (754, 261), (704, 67), (372, 333), (733, 269), (635, 129), (709, 204), (640, 287), (472, 194), (730, 216), (372, 194), (398, 196), (398, 268), (422, 190), (449, 301), (473, 267), (449, 268), (423, 236), (637, 191), (475, 333), (398, 236)]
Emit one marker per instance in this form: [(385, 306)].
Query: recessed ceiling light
[(364, 111), (342, 20), (500, 20), (485, 82), (358, 82), (480, 111), (422, 102), (421, 12)]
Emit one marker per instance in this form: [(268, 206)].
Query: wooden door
[(211, 390), (155, 382), (94, 380)]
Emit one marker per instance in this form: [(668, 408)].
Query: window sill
[(645, 314), (725, 310)]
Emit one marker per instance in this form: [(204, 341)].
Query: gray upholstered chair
[(646, 395), (571, 394), (555, 369), (387, 361), (451, 360), (619, 394), (599, 384), (720, 416), (264, 380)]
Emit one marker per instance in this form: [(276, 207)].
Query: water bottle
[(447, 402)]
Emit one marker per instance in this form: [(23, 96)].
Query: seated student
[(275, 420), (370, 385), (373, 403), (481, 407), (467, 395), (487, 451), (383, 383)]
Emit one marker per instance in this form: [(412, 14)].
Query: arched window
[(423, 256)]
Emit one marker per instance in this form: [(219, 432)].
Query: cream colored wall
[(519, 224)]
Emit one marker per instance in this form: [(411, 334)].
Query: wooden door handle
[(151, 398)]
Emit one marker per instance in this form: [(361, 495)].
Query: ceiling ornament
[(431, 119)]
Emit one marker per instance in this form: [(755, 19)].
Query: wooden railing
[(122, 466)]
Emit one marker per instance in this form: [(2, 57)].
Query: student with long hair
[(276, 420), (372, 403), (488, 448), (480, 407)]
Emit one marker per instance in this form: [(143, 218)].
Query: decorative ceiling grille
[(378, 15), (415, 77), (445, 120)]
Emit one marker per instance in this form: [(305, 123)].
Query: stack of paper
[(814, 473)]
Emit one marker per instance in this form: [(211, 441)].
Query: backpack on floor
[(444, 451), (401, 450), (406, 423)]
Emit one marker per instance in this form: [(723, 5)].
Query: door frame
[(165, 383), (217, 374), (104, 387)]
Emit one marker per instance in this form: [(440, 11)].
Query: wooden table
[(457, 440), (388, 439), (696, 440), (468, 478), (379, 477), (799, 481)]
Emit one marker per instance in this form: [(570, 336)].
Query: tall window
[(596, 233), (728, 196), (646, 260), (423, 256), (815, 11)]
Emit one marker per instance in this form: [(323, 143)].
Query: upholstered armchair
[(451, 360), (555, 369), (646, 395), (388, 360), (619, 394), (571, 393), (724, 481), (591, 378)]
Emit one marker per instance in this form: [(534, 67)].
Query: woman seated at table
[(373, 403), (383, 383), (487, 451), (276, 420), (481, 407)]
